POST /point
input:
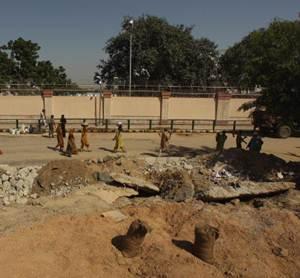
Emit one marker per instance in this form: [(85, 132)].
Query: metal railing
[(123, 90), (145, 125)]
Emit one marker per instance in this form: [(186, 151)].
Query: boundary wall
[(220, 107)]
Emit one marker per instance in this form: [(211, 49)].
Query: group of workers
[(71, 148), (254, 145)]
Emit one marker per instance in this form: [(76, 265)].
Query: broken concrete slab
[(102, 176), (244, 189), (110, 194), (107, 193), (136, 183), (115, 215)]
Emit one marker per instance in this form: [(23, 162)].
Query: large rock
[(136, 183), (244, 189), (182, 193)]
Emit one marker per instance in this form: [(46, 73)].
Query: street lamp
[(130, 54)]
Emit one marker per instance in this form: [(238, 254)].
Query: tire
[(284, 131)]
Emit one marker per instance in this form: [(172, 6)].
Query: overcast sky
[(72, 33)]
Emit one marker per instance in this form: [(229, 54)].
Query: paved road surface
[(35, 149)]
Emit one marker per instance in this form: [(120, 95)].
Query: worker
[(63, 122), (255, 144), (240, 140), (71, 147), (119, 145), (84, 136), (221, 139), (51, 126), (60, 139), (165, 137)]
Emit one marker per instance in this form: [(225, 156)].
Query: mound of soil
[(252, 243), (253, 166), (61, 173)]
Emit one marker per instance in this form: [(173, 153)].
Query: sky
[(73, 33)]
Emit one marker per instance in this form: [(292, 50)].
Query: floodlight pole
[(130, 56)]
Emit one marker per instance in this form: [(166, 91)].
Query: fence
[(137, 125)]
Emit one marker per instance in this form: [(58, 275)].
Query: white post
[(130, 63)]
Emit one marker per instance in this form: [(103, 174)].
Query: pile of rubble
[(16, 184), (60, 177), (211, 177)]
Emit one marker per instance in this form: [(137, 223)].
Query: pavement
[(26, 150)]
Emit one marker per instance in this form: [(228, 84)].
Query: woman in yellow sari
[(119, 145)]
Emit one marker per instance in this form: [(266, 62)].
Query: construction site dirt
[(61, 217)]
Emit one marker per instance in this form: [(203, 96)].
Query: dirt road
[(35, 149)]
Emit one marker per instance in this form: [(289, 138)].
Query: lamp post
[(130, 55)]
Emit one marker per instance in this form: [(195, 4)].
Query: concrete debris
[(115, 215), (16, 183), (164, 163), (245, 189), (136, 183), (108, 193)]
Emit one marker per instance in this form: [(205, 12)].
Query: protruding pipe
[(131, 244), (205, 237)]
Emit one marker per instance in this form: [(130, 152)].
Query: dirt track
[(28, 149)]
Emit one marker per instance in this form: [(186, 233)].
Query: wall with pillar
[(223, 107)]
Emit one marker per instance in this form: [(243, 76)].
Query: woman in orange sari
[(71, 147), (60, 138), (84, 137)]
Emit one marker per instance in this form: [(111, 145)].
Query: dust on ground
[(253, 243), (74, 231)]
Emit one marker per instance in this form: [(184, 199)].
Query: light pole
[(130, 55)]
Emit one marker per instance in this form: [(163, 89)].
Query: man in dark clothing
[(239, 140), (255, 143), (51, 126), (221, 138), (63, 122)]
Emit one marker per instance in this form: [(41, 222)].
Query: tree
[(170, 54), (270, 58), (19, 64), (6, 68)]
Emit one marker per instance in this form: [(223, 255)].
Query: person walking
[(63, 122), (51, 126), (71, 146), (239, 140), (60, 139), (165, 137), (221, 139), (119, 145), (84, 136)]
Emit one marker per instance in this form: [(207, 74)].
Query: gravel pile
[(161, 164), (16, 184)]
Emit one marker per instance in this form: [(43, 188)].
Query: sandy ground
[(253, 243), (68, 237), (35, 149)]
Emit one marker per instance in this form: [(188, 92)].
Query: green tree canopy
[(170, 54), (19, 64), (270, 58)]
